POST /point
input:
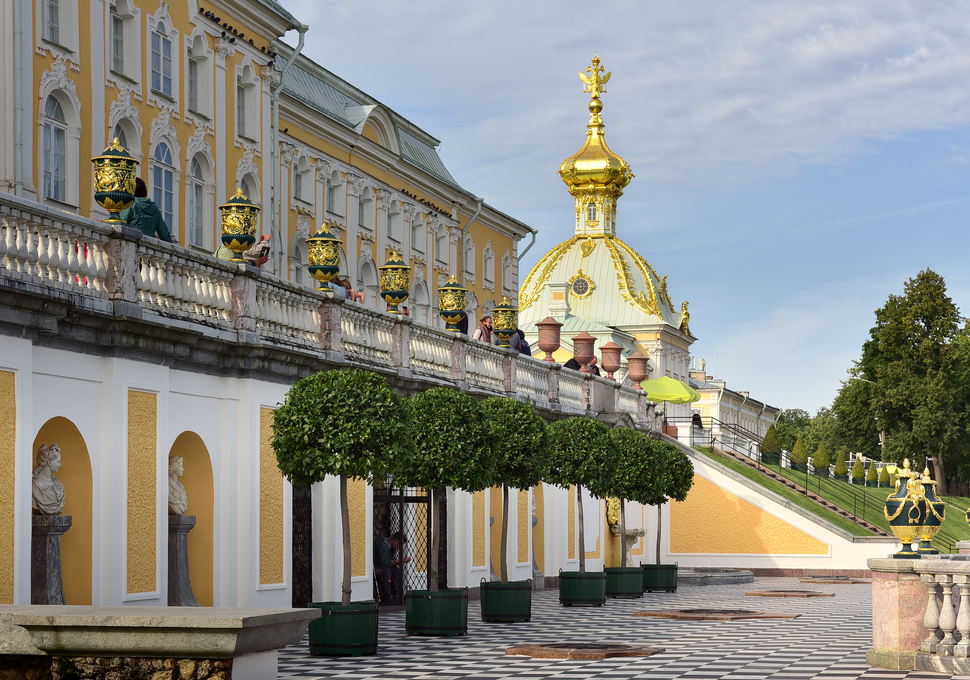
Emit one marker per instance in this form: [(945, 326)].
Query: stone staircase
[(802, 490)]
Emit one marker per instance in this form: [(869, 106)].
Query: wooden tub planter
[(624, 582), (443, 612), (585, 589), (344, 630), (659, 578), (506, 602)]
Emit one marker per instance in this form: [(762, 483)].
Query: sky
[(795, 163)]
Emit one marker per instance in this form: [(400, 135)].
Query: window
[(161, 60), (469, 259), (120, 135), (117, 43), (417, 233), (361, 207), (247, 189), (335, 195), (394, 222), (298, 185), (51, 19), (55, 151), (163, 180), (196, 234), (193, 83), (488, 266), (331, 196), (240, 110), (591, 211), (441, 245), (247, 109)]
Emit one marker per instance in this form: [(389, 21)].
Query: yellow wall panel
[(479, 523), (8, 452), (539, 530), (142, 491), (571, 517), (270, 505), (713, 520), (357, 502), (495, 531), (525, 517)]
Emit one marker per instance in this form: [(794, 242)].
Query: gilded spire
[(595, 175)]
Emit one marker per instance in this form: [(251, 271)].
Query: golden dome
[(594, 167)]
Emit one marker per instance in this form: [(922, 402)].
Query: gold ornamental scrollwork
[(451, 300), (581, 291)]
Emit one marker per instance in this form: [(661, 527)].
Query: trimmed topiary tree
[(884, 477), (799, 455), (872, 479), (519, 457), (841, 469), (347, 422), (581, 454), (858, 470), (451, 446), (820, 461), (640, 474), (771, 447)]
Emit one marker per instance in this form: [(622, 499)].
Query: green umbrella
[(669, 389)]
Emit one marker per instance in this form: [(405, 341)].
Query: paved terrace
[(828, 641)]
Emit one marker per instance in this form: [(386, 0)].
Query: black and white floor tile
[(828, 641)]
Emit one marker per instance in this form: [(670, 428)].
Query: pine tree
[(798, 453), (841, 470), (871, 475), (820, 460), (770, 446), (884, 476), (858, 470)]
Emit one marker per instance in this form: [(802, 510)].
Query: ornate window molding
[(55, 83), (163, 90)]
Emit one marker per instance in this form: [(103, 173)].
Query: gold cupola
[(595, 175)]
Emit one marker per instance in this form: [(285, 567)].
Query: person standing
[(144, 215), (484, 331), (524, 347), (387, 566)]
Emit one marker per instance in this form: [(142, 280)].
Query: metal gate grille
[(405, 513), (302, 562)]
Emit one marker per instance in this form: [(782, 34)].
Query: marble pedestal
[(632, 535), (898, 604), (46, 585), (179, 585)]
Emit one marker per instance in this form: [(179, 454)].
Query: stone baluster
[(73, 266), (4, 230), (20, 248), (962, 648), (948, 619), (32, 254), (100, 271), (931, 617)]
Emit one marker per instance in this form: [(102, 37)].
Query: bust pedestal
[(46, 586), (179, 585)]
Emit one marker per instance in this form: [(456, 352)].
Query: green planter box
[(660, 578), (582, 589), (506, 602), (799, 467), (624, 582), (859, 480), (770, 458), (872, 483), (444, 612), (344, 630), (821, 473), (885, 484), (842, 478)]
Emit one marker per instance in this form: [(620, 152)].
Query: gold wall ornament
[(580, 285), (612, 511), (395, 281), (505, 321), (588, 246), (239, 225), (451, 304), (685, 318), (114, 181), (323, 256)]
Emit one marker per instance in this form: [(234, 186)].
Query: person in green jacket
[(144, 215)]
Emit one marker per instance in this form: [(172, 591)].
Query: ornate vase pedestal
[(46, 585), (179, 585)]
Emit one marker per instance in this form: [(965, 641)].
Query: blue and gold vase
[(451, 304), (935, 512), (395, 281), (505, 321), (323, 256), (905, 511), (114, 181), (239, 225)]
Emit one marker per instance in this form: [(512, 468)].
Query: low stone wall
[(112, 668)]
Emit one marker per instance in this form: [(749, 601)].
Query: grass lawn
[(796, 498)]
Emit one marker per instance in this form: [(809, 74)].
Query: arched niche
[(75, 475), (197, 481)]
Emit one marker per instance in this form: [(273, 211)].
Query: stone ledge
[(888, 658), (952, 665), (158, 632)]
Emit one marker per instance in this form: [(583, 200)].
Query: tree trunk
[(582, 533), (505, 534), (435, 529), (345, 535), (940, 474), (622, 533), (659, 527)]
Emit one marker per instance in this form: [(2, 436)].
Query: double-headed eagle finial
[(594, 83)]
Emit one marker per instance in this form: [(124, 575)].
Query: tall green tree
[(858, 426), (791, 423), (824, 427), (917, 396)]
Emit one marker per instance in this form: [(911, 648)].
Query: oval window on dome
[(580, 287)]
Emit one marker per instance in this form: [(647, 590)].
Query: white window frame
[(246, 101), (199, 203), (171, 34), (441, 245), (336, 195), (366, 210), (66, 40), (419, 233), (468, 259), (488, 266), (197, 50), (130, 17), (162, 61), (70, 107), (395, 222), (303, 180), (54, 167), (164, 170)]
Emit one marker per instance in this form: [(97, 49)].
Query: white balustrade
[(483, 367), (572, 397), (628, 401), (532, 379), (947, 614), (366, 335), (431, 352), (39, 246), (288, 313), (174, 282)]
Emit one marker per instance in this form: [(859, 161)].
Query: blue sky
[(795, 162)]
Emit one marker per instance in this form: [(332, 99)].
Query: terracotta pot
[(610, 352), (638, 369), (583, 348), (549, 337)]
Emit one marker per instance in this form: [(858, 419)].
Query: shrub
[(871, 475), (884, 476), (841, 469), (858, 469), (771, 443), (821, 458), (799, 454)]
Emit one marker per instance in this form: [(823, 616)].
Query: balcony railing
[(104, 270)]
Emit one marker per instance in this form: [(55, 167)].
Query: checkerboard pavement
[(828, 641)]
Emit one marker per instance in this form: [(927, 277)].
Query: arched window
[(196, 187), (163, 181), (247, 189), (469, 258), (120, 135), (55, 151), (395, 222), (441, 245), (161, 60)]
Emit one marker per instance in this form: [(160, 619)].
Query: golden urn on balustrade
[(323, 255), (906, 511), (114, 181), (239, 225), (395, 281), (451, 304), (505, 321)]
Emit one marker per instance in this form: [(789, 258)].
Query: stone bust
[(47, 495), (177, 498)]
